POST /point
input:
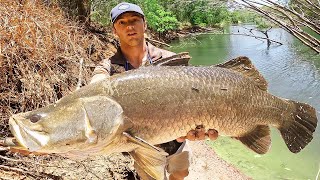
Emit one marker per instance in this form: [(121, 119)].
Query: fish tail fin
[(297, 132)]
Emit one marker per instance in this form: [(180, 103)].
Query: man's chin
[(134, 43)]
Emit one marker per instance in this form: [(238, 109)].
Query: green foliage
[(159, 19), (164, 15), (100, 10), (245, 16), (200, 12)]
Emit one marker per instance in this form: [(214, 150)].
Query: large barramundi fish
[(133, 111)]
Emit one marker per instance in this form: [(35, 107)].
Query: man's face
[(130, 28)]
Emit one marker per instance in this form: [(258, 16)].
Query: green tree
[(158, 18)]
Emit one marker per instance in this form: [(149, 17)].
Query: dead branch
[(35, 175), (10, 159), (257, 37), (158, 42), (308, 7), (283, 9), (264, 33), (313, 5), (295, 30), (18, 170), (243, 34), (80, 74)]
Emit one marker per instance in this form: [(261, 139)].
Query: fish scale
[(173, 100)]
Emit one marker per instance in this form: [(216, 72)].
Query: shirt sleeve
[(101, 71)]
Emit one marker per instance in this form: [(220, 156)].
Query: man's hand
[(199, 134)]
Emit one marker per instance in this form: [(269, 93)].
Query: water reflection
[(292, 71)]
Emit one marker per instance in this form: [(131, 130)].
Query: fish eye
[(35, 118)]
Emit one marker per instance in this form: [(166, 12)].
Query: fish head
[(69, 125)]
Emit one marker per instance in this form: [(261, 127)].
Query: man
[(129, 26)]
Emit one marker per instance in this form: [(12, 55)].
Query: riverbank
[(181, 33), (207, 165)]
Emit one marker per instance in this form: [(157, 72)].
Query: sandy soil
[(206, 165)]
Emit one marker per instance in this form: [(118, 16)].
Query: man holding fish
[(135, 110), (129, 25)]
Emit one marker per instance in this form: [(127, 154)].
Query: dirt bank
[(207, 165)]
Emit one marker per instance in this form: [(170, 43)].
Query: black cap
[(122, 8)]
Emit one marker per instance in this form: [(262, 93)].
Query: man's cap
[(122, 8)]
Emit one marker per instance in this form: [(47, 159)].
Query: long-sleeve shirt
[(118, 63)]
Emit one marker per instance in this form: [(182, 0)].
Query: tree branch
[(283, 9), (313, 5), (304, 37), (80, 74), (244, 34), (306, 6)]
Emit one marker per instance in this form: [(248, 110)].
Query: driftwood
[(269, 41), (265, 32)]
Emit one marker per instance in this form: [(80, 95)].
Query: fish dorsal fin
[(244, 66), (257, 140), (181, 59), (148, 158)]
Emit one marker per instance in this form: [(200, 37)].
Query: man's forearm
[(98, 77), (102, 71)]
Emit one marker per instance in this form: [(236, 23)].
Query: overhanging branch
[(295, 19)]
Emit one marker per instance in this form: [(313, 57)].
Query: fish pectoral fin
[(258, 140), (143, 143), (150, 159), (244, 66)]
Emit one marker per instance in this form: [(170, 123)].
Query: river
[(292, 71)]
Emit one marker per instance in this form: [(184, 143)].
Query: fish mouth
[(28, 138)]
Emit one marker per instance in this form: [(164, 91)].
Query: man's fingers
[(191, 135), (200, 133), (212, 134), (181, 139)]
